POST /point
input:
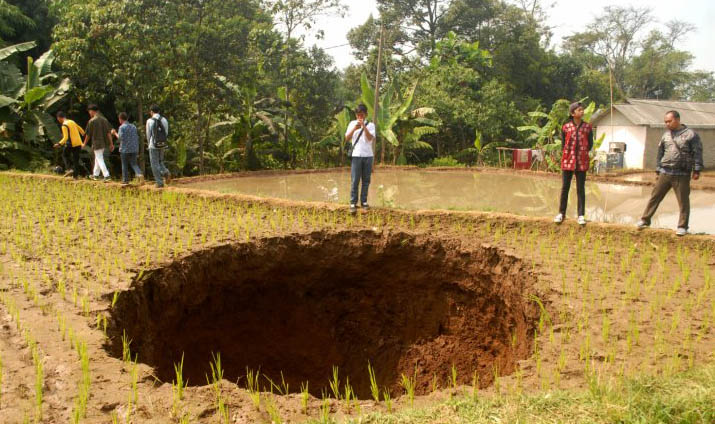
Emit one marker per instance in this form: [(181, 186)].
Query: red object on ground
[(521, 158)]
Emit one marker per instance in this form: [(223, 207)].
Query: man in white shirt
[(361, 135)]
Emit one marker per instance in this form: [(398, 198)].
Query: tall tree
[(615, 37), (291, 16)]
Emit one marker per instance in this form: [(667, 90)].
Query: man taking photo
[(361, 134)]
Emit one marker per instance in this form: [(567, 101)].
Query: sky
[(563, 17)]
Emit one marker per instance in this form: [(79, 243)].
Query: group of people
[(100, 135), (680, 158)]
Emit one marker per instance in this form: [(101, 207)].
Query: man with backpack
[(157, 132)]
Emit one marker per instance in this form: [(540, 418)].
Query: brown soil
[(619, 302), (296, 306)]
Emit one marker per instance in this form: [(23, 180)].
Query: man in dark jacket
[(680, 155)]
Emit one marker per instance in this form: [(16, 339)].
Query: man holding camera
[(361, 134)]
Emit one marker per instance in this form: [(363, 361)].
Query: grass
[(687, 397)]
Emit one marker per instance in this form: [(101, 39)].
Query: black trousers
[(566, 177), (71, 159)]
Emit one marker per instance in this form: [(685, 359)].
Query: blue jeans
[(129, 159), (156, 157), (360, 169)]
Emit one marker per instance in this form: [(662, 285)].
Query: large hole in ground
[(301, 304)]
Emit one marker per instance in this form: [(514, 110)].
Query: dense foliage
[(243, 91)]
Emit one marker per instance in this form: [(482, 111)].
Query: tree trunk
[(142, 133), (200, 139)]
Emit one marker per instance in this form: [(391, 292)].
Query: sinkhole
[(299, 305)]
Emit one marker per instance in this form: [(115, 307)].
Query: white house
[(639, 124)]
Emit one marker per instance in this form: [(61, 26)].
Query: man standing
[(99, 133), (73, 133), (157, 131), (361, 135), (128, 148), (680, 154)]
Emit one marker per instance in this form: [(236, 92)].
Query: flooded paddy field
[(479, 191)]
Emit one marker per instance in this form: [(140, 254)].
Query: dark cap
[(574, 106), (361, 108), (93, 107)]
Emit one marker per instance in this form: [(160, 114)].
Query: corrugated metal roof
[(651, 112)]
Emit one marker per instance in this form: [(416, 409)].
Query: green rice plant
[(475, 385), (126, 351), (497, 387), (325, 408), (387, 399), (178, 385), (349, 394), (605, 328), (408, 383), (335, 383), (304, 397), (453, 377), (374, 390), (434, 383), (272, 410), (39, 384), (134, 373), (252, 387)]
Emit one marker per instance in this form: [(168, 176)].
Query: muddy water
[(455, 190)]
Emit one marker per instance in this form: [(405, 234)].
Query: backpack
[(158, 133)]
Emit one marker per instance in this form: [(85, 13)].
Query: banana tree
[(547, 137), (257, 120), (411, 127), (334, 142), (25, 102), (387, 113)]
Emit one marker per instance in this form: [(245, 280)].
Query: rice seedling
[(325, 408), (271, 409), (178, 385), (453, 377), (408, 383), (374, 390), (335, 383), (39, 383), (134, 373), (215, 382), (126, 351), (434, 384), (304, 397), (252, 387), (386, 398), (349, 394), (475, 385)]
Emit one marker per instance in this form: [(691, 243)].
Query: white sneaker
[(559, 218), (681, 231), (642, 225), (581, 220)]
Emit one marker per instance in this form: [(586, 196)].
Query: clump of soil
[(302, 304)]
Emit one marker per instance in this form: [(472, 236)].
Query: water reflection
[(456, 190)]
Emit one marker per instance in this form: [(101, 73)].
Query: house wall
[(707, 137), (633, 136)]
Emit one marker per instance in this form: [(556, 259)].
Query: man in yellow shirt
[(73, 133)]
